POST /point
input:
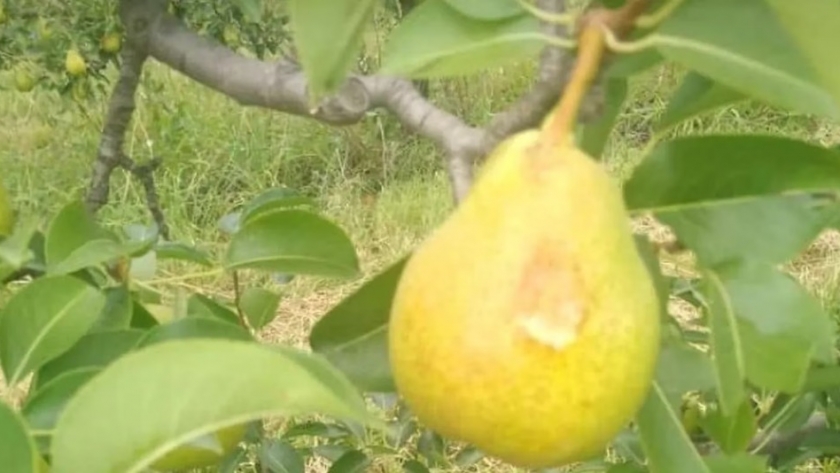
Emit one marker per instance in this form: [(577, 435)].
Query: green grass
[(385, 187)]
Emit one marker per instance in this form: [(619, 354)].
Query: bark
[(282, 86)]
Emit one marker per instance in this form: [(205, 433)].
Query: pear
[(527, 324)]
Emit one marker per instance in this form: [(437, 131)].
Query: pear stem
[(592, 47)]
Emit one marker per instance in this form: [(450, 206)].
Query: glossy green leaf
[(459, 46), (353, 461), (725, 231), (316, 429), (194, 327), (651, 260), (94, 252), (414, 466), (668, 448), (141, 318), (328, 36), (144, 404), (94, 350), (293, 241), (118, 309), (785, 60), (70, 230), (488, 10), (696, 95), (148, 235), (280, 456), (731, 432), (42, 321), (259, 306), (18, 453), (789, 413), (727, 345), (183, 252), (631, 64), (682, 368), (42, 409), (821, 378), (782, 327), (627, 468), (199, 305), (736, 463), (353, 334), (677, 173), (274, 199), (596, 133)]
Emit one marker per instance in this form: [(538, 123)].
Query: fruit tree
[(535, 327)]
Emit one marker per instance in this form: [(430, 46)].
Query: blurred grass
[(385, 187)]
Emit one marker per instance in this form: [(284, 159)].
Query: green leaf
[(94, 350), (788, 413), (597, 132), (199, 305), (631, 64), (668, 448), (251, 9), (42, 321), (487, 9), (677, 173), (194, 327), (785, 60), (92, 253), (43, 408), (736, 463), (18, 454), (280, 456), (414, 466), (696, 95), (459, 46), (280, 198), (727, 350), (144, 404), (731, 432), (70, 230), (822, 378), (141, 318), (118, 309), (353, 461), (432, 446), (725, 231), (316, 429), (183, 252), (651, 260), (627, 468), (468, 456), (682, 368), (353, 334), (293, 241), (782, 327), (259, 305), (232, 462), (328, 36)]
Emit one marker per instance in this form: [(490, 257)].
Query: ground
[(386, 188)]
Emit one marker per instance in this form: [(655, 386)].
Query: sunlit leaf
[(18, 453), (459, 46), (94, 350), (696, 95), (668, 448), (676, 174), (194, 327), (328, 36), (274, 199), (487, 9), (43, 320), (183, 252), (259, 305), (144, 404), (293, 241), (786, 59), (353, 334)]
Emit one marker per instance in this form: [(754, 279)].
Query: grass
[(386, 188)]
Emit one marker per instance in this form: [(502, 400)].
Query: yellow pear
[(527, 324), (75, 63), (111, 42)]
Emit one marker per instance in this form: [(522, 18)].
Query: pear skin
[(527, 323)]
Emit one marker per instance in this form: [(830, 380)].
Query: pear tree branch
[(282, 85)]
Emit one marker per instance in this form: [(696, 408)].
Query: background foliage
[(724, 138)]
